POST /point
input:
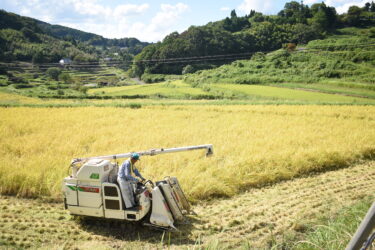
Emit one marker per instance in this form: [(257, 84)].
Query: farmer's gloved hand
[(140, 180)]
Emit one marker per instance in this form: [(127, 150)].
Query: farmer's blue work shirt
[(125, 171)]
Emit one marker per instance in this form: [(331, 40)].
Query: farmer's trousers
[(127, 192)]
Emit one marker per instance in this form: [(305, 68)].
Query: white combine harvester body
[(92, 190)]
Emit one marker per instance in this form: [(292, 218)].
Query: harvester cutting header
[(100, 188)]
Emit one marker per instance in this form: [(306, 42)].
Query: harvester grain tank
[(92, 190)]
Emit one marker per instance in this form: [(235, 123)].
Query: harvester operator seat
[(112, 176)]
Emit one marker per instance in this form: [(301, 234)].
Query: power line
[(180, 60)]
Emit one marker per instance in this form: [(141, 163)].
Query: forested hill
[(28, 39), (238, 37), (63, 32)]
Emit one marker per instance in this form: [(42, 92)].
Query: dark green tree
[(367, 6), (354, 15), (65, 77), (372, 7), (54, 73), (38, 57), (295, 12), (29, 34), (257, 17)]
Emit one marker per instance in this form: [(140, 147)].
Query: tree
[(171, 37), (372, 33), (372, 7), (268, 36), (324, 17), (38, 57), (2, 46), (54, 73), (81, 58), (354, 15), (188, 69), (65, 78), (233, 14), (295, 12), (367, 6), (302, 33), (70, 38), (319, 20), (29, 34), (227, 24), (252, 13)]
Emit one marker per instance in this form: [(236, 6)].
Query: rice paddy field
[(175, 89), (335, 95), (287, 93), (254, 145), (348, 89), (280, 168)]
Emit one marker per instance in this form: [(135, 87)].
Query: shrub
[(188, 69), (53, 87), (259, 56), (247, 81), (372, 33), (66, 78), (290, 47), (22, 86), (152, 78), (2, 71), (54, 73), (17, 79)]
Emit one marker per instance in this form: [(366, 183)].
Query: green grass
[(335, 232)]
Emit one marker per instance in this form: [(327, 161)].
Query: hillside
[(133, 45), (234, 38), (28, 39), (337, 63)]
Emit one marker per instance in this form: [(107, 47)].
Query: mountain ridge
[(28, 39)]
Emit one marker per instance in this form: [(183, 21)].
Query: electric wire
[(180, 60), (211, 56)]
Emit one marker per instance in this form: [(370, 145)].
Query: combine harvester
[(92, 190)]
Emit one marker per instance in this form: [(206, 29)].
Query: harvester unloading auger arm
[(150, 152)]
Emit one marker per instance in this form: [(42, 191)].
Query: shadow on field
[(135, 231)]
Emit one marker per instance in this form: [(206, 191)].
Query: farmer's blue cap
[(135, 156)]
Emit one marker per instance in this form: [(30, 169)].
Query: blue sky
[(147, 20)]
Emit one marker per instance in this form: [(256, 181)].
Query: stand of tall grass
[(254, 145)]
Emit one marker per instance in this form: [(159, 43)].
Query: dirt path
[(256, 217)]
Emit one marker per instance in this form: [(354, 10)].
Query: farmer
[(126, 179)]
